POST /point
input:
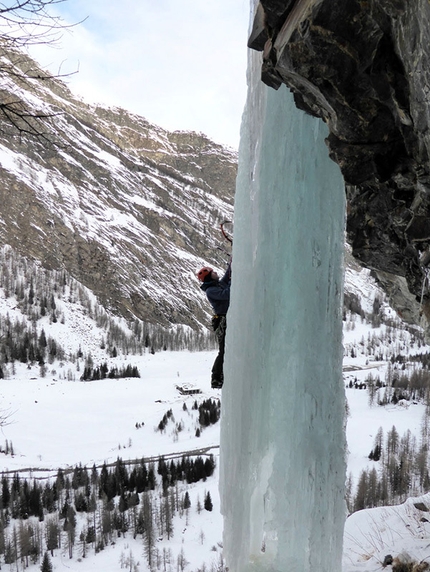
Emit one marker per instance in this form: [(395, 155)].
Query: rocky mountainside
[(126, 208)]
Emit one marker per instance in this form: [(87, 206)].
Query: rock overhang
[(363, 67)]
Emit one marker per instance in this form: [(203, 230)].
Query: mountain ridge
[(109, 195)]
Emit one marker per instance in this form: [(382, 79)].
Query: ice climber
[(218, 293)]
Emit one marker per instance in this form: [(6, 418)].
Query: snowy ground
[(401, 531), (58, 423), (372, 534), (55, 423), (63, 423)]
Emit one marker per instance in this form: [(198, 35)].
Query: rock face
[(128, 209), (364, 68)]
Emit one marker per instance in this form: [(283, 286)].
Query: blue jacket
[(218, 292)]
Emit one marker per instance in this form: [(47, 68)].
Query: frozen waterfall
[(282, 431)]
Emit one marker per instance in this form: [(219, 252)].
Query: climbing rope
[(426, 272), (425, 280)]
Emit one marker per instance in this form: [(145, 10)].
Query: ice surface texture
[(282, 431)]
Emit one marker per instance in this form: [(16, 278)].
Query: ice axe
[(224, 233), (226, 236)]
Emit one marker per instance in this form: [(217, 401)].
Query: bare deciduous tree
[(29, 22), (5, 417), (24, 23)]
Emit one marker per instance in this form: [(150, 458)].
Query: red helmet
[(205, 271)]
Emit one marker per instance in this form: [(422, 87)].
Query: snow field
[(57, 423), (62, 423)]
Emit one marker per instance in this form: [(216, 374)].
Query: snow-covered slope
[(127, 208)]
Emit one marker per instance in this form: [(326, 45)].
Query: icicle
[(282, 438)]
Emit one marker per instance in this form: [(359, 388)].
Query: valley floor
[(54, 422)]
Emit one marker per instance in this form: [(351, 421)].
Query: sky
[(181, 64)]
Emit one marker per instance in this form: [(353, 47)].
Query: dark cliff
[(363, 67)]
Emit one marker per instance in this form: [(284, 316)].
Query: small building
[(188, 389)]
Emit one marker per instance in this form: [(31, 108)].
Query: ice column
[(282, 437)]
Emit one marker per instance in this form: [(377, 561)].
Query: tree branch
[(24, 23)]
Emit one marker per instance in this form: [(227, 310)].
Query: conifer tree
[(167, 510), (360, 497), (2, 537), (27, 547), (46, 563), (186, 502), (5, 492), (149, 534), (106, 522), (70, 528), (392, 443), (208, 502), (52, 532), (83, 542)]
